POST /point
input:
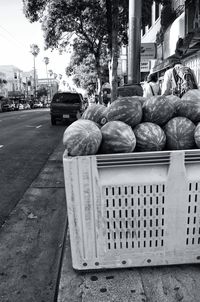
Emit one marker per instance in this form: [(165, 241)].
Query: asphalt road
[(26, 141)]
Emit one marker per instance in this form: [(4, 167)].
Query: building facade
[(174, 30), (176, 33)]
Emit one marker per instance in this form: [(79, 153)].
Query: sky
[(16, 36)]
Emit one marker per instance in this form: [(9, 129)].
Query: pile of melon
[(137, 124)]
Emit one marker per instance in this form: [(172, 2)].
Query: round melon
[(180, 134), (117, 137), (141, 99), (96, 113), (125, 110), (158, 110), (82, 137), (173, 98), (189, 109), (193, 94), (197, 135), (149, 137)]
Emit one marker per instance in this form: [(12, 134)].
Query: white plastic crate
[(135, 209)]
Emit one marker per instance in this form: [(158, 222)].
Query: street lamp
[(34, 51)]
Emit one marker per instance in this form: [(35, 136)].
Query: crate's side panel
[(84, 209), (74, 212), (176, 206)]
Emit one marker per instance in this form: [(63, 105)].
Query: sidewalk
[(150, 284), (32, 243), (32, 238)]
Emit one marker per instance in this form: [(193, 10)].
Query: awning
[(165, 64), (185, 47)]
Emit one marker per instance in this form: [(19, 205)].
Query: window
[(157, 11)]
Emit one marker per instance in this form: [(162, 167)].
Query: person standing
[(178, 80), (151, 87)]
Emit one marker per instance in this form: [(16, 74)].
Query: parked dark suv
[(66, 106)]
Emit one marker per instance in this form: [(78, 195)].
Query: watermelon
[(158, 110), (96, 113), (197, 135), (149, 137), (193, 94), (125, 110), (180, 133), (117, 137), (82, 137), (173, 98), (134, 98), (189, 109)]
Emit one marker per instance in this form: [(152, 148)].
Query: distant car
[(8, 106), (38, 105), (66, 106), (27, 106), (21, 106)]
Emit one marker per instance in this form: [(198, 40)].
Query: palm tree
[(34, 51), (46, 61), (50, 74)]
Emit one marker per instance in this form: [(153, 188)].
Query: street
[(26, 141)]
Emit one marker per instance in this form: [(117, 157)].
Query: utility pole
[(134, 45)]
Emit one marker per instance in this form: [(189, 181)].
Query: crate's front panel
[(192, 232), (134, 218)]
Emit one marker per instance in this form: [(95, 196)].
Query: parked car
[(21, 106), (27, 106), (37, 105), (8, 105), (66, 106)]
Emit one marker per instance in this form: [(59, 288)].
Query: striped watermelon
[(158, 110), (180, 133), (189, 109), (82, 137), (149, 137), (197, 135), (96, 113), (174, 99), (193, 94), (125, 110), (117, 137), (142, 99)]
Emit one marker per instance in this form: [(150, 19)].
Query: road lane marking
[(30, 126), (38, 126)]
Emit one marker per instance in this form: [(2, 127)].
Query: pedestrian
[(178, 79), (151, 86)]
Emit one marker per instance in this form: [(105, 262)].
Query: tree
[(42, 91), (82, 67), (96, 23), (34, 51)]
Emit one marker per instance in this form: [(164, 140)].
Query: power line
[(11, 35)]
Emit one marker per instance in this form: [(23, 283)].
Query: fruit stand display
[(133, 184)]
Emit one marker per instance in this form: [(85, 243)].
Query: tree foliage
[(99, 25), (82, 67)]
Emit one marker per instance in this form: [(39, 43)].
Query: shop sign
[(148, 51), (145, 65)]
